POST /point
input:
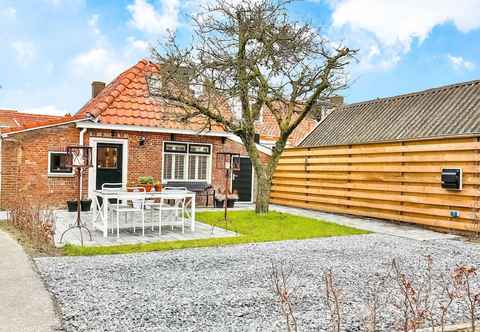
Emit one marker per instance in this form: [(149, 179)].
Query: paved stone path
[(25, 304), (403, 230)]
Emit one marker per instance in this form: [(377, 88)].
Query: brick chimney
[(97, 87), (336, 100)]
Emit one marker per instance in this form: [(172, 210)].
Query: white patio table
[(100, 212)]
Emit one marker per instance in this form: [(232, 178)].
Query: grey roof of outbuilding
[(452, 110)]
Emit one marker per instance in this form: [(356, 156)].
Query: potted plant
[(85, 204), (220, 199), (158, 186), (146, 182), (72, 206)]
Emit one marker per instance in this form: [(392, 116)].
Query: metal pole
[(79, 202), (226, 193)]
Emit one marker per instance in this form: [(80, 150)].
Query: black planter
[(219, 203), (72, 206), (85, 204)]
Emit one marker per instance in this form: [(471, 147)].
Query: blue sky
[(53, 49)]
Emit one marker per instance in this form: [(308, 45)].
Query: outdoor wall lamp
[(141, 140)]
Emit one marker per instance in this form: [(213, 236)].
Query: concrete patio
[(127, 236)]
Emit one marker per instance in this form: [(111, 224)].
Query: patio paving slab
[(404, 230), (25, 304), (127, 236)]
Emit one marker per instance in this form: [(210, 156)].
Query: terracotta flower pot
[(148, 188), (158, 187)]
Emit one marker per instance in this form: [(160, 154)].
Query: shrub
[(35, 223)]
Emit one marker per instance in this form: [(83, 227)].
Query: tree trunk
[(263, 194)]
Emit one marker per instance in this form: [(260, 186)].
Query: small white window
[(154, 83), (57, 164), (179, 167), (236, 107), (198, 167), (197, 89)]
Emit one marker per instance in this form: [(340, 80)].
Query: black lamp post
[(79, 158)]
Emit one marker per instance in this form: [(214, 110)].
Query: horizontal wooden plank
[(331, 151), (390, 196), (411, 188), (378, 168), (433, 222), (379, 205), (433, 178), (468, 157)]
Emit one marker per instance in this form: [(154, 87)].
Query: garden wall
[(395, 181)]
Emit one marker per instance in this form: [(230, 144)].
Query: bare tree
[(333, 299), (463, 278), (251, 54), (284, 293)]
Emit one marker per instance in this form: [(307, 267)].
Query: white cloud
[(395, 22), (48, 109), (8, 13), (98, 63), (25, 52), (460, 63), (385, 30), (93, 24), (146, 19), (138, 44)]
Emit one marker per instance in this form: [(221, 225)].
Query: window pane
[(107, 158), (174, 147), (191, 167), (179, 167), (168, 166), (57, 163), (202, 167), (204, 149)]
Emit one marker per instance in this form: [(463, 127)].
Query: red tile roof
[(127, 101), (15, 119), (42, 122)]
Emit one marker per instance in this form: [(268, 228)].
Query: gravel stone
[(228, 288)]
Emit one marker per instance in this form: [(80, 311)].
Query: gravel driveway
[(218, 289)]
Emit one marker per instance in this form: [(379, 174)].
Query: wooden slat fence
[(395, 181)]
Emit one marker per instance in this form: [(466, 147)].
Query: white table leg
[(105, 217), (94, 210), (193, 213)]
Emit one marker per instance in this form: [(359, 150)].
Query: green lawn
[(274, 226)]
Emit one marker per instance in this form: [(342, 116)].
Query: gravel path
[(227, 288)]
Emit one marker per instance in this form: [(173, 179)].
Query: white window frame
[(187, 155), (55, 174), (92, 174)]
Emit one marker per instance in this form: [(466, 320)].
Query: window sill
[(61, 175)]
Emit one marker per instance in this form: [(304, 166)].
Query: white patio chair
[(133, 201), (177, 209), (152, 205), (112, 187)]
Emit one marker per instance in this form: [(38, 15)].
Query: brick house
[(132, 134)]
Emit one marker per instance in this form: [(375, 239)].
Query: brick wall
[(25, 161), (25, 167), (147, 159)]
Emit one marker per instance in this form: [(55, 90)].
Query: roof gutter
[(5, 135), (96, 125), (235, 138)]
